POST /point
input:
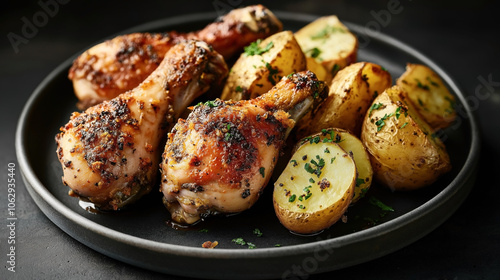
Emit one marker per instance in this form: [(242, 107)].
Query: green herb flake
[(311, 180), (315, 52), (432, 82), (292, 198), (239, 241), (380, 123), (375, 106), (294, 162), (257, 232), (308, 195), (254, 49), (335, 69), (422, 86), (327, 31), (376, 202), (359, 182), (273, 72), (211, 104), (262, 171), (238, 89), (203, 230), (277, 245), (327, 151), (332, 159), (405, 124), (251, 245)]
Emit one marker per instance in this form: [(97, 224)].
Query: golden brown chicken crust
[(122, 63), (110, 152)]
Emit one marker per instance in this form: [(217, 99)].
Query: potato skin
[(429, 95), (325, 206), (254, 75), (351, 93), (404, 153), (308, 223)]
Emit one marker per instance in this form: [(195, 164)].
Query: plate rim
[(32, 181)]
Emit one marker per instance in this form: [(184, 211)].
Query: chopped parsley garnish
[(262, 171), (292, 198), (375, 106), (242, 242), (406, 123), (228, 134), (239, 241), (203, 230), (380, 123), (257, 232), (327, 31), (293, 162), (422, 86), (238, 89), (254, 49), (311, 180), (376, 202), (359, 182), (273, 72), (432, 82), (335, 69), (315, 52), (398, 110), (315, 166)]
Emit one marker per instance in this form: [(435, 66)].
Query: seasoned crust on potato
[(351, 93), (262, 65), (429, 95), (405, 155)]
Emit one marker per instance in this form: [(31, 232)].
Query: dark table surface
[(462, 37)]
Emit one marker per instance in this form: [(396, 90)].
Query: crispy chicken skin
[(122, 63), (110, 153), (222, 156)]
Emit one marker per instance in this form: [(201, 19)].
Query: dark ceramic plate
[(142, 236)]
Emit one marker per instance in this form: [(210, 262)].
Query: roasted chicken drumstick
[(110, 153), (120, 64), (221, 157)]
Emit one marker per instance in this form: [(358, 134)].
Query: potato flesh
[(304, 195), (330, 42), (353, 146)]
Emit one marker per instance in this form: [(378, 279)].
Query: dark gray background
[(462, 37)]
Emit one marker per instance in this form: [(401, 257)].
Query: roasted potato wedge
[(315, 188), (351, 93), (262, 65), (329, 42), (429, 94), (404, 153), (354, 147)]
